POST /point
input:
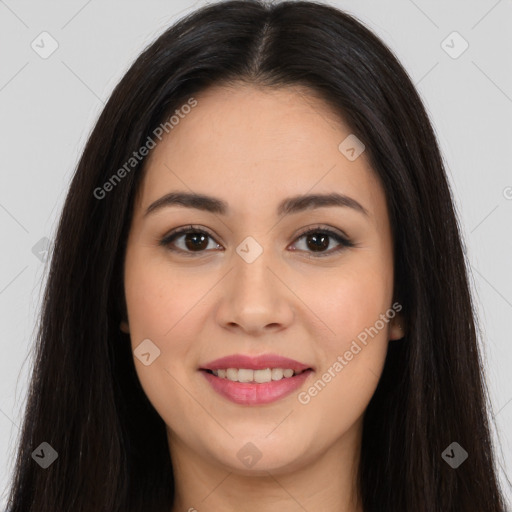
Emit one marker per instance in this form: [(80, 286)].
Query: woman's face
[(253, 286)]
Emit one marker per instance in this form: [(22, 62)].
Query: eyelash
[(173, 235)]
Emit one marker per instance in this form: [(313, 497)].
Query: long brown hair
[(85, 399)]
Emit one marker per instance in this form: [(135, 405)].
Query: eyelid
[(324, 229)]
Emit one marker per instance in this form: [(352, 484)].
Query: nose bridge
[(253, 260), (254, 299)]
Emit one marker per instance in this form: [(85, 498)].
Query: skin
[(253, 147)]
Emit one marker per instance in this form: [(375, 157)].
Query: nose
[(255, 299)]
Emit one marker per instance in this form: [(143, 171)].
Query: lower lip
[(249, 393)]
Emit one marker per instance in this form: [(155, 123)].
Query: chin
[(258, 457)]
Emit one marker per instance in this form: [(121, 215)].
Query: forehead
[(254, 145)]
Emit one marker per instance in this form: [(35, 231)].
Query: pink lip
[(255, 363), (248, 393)]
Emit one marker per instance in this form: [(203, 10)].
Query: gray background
[(48, 107)]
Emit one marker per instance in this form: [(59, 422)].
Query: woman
[(258, 297)]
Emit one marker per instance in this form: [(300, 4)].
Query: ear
[(397, 327), (124, 326)]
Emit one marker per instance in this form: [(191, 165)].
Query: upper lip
[(255, 362)]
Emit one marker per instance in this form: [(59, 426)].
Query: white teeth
[(262, 376), (259, 376), (232, 374), (277, 373), (245, 375)]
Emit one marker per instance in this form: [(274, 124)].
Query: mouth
[(260, 380)]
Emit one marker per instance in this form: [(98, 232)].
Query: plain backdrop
[(49, 105)]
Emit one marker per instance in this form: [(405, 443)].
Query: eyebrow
[(288, 206)]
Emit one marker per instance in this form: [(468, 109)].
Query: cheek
[(160, 308), (351, 302), (158, 297), (353, 349)]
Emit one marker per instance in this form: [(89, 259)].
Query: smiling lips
[(255, 380)]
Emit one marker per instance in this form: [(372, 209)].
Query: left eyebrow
[(288, 206)]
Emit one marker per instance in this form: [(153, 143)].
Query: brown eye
[(194, 240), (318, 240)]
